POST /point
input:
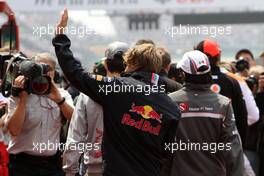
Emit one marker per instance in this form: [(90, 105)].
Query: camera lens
[(242, 65), (40, 85)]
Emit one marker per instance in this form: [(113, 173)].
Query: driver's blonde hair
[(145, 57)]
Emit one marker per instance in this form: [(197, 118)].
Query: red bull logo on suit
[(147, 113)]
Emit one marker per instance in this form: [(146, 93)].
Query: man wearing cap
[(226, 85), (207, 142), (86, 125)]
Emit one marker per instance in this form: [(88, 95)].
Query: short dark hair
[(99, 68), (213, 60), (176, 73), (173, 70), (166, 58), (244, 51), (198, 79), (116, 65), (144, 41)]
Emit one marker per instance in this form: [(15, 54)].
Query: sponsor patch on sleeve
[(215, 88), (99, 77)]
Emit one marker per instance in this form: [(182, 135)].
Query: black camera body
[(37, 80), (251, 82), (242, 64)]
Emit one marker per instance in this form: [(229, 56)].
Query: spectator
[(34, 121), (252, 109), (260, 103), (87, 121), (260, 60), (247, 55), (69, 88), (73, 92), (257, 71), (255, 140), (170, 85), (176, 74), (99, 68), (242, 67), (207, 118), (226, 85), (136, 125)]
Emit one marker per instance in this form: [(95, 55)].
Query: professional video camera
[(242, 64), (37, 80)]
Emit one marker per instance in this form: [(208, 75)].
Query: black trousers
[(27, 165)]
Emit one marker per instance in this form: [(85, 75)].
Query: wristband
[(61, 102)]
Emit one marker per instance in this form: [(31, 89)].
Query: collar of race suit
[(201, 87), (146, 77)]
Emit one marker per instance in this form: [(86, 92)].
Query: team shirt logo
[(215, 88), (147, 113)]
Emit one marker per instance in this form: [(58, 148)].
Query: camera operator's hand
[(2, 104), (20, 83), (63, 22), (1, 122), (16, 121), (56, 96), (261, 83), (54, 93)]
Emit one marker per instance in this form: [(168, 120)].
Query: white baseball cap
[(195, 63)]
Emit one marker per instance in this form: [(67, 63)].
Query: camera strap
[(4, 79)]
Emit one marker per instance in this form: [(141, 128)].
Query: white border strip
[(202, 114)]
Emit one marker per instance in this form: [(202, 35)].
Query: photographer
[(33, 121), (242, 66), (248, 55)]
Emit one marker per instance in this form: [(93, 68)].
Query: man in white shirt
[(34, 122)]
